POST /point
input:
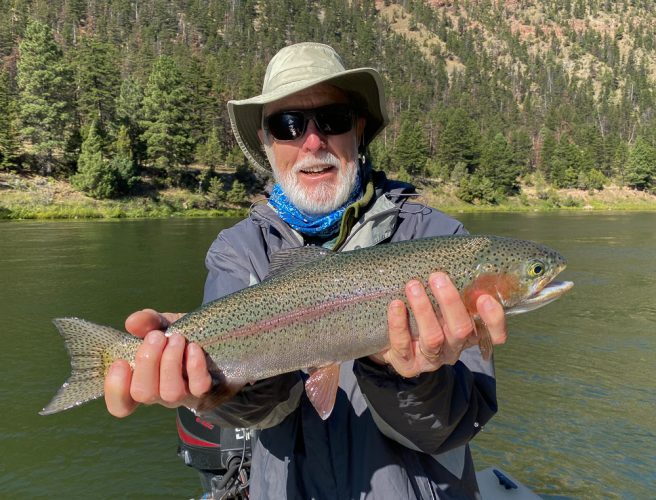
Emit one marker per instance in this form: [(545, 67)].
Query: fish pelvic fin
[(89, 347), (321, 388), (484, 339)]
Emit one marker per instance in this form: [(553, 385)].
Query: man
[(403, 418)]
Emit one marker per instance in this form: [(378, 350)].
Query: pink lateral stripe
[(308, 313)]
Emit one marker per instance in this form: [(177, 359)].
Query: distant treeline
[(112, 93)]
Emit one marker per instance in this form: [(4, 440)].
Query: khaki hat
[(295, 68)]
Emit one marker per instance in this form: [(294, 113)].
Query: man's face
[(316, 171)]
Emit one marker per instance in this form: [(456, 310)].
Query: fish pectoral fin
[(321, 388), (484, 339)]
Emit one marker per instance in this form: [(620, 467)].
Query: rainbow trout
[(318, 308)]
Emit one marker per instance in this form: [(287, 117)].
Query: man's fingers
[(141, 322), (458, 322), (172, 386), (171, 317), (118, 400), (145, 379), (400, 354), (492, 314), (199, 379), (399, 330), (431, 337)]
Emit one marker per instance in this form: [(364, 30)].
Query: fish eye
[(536, 269)]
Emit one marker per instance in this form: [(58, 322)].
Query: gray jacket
[(388, 437)]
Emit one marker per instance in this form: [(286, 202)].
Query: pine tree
[(641, 166), (97, 81), (44, 96), (166, 118), (93, 176), (237, 193), (497, 165), (522, 150), (216, 192), (458, 141), (210, 153), (122, 162), (9, 144), (411, 148), (103, 177), (618, 165), (122, 146), (380, 156), (128, 110), (547, 151)]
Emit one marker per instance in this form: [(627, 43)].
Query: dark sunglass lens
[(290, 125), (334, 120), (286, 126)]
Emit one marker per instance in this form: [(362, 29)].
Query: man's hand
[(441, 337), (167, 371)]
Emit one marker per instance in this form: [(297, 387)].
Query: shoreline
[(57, 212), (45, 198)]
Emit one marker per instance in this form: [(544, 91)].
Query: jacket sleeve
[(433, 412), (266, 402), (438, 411)]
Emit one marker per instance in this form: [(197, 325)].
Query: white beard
[(326, 197)]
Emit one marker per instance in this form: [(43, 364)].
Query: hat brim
[(246, 114)]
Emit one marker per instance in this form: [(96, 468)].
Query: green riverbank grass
[(531, 200), (46, 198), (36, 197)]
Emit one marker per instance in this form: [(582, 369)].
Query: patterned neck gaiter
[(320, 225)]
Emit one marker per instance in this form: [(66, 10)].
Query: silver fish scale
[(334, 309)]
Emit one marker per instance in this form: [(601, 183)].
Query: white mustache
[(319, 161)]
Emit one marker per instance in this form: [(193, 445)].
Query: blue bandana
[(320, 225)]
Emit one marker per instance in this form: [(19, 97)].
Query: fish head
[(519, 274)]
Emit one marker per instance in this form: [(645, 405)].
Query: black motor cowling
[(222, 456)]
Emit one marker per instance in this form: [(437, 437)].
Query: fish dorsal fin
[(321, 388), (284, 261)]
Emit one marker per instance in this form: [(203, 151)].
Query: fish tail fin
[(88, 347)]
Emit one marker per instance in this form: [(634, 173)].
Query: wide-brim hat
[(298, 67)]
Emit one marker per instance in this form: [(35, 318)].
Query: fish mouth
[(542, 297)]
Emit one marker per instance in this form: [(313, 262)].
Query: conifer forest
[(484, 96)]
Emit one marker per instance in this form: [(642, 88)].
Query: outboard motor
[(222, 456)]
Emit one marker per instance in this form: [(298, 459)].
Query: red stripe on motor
[(189, 439)]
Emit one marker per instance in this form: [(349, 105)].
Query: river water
[(576, 380)]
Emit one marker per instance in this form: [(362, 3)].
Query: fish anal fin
[(321, 388), (218, 395), (222, 389)]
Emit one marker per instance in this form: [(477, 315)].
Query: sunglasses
[(333, 119)]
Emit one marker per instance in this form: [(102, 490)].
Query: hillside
[(486, 97)]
